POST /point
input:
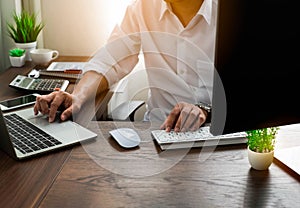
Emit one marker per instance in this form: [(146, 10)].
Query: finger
[(43, 103), (66, 114), (195, 125), (199, 120), (177, 127), (172, 118), (192, 121), (36, 108), (203, 116), (57, 101), (167, 127), (182, 120)]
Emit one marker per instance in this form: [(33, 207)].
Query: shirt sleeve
[(119, 55)]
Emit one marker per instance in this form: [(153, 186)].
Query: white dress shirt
[(178, 59)]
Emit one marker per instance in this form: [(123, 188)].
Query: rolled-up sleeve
[(119, 55)]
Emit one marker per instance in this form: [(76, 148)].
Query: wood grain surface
[(96, 176)]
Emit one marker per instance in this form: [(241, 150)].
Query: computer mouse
[(126, 137)]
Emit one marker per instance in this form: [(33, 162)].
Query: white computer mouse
[(126, 137)]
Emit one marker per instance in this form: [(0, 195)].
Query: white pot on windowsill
[(17, 61)]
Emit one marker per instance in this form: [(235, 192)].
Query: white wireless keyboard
[(201, 137)]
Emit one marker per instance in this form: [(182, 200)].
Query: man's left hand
[(184, 117)]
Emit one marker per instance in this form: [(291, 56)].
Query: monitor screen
[(257, 65)]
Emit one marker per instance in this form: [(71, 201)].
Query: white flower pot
[(28, 47), (260, 161), (17, 61)]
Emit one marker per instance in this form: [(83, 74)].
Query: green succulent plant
[(17, 52), (24, 28), (262, 140)]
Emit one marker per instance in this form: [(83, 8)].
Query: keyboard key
[(26, 137), (201, 137)]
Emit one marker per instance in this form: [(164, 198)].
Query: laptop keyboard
[(26, 137)]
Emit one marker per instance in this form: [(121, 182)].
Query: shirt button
[(180, 71)]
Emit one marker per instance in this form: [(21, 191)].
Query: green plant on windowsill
[(16, 52), (25, 28), (262, 140)]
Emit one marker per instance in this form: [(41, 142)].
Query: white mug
[(43, 56)]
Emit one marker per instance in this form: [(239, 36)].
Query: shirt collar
[(164, 8), (205, 10)]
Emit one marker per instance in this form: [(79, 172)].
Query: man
[(177, 39)]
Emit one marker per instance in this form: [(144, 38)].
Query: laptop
[(25, 135)]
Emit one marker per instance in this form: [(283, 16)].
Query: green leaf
[(262, 140), (16, 52), (24, 28)]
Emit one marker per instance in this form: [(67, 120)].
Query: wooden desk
[(38, 173), (101, 174), (23, 184)]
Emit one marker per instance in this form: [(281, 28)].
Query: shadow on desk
[(258, 189)]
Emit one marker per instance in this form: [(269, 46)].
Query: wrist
[(206, 108)]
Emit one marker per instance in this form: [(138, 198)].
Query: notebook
[(73, 74), (65, 69), (25, 135), (65, 65), (72, 71)]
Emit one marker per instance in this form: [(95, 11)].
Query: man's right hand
[(90, 85), (49, 105)]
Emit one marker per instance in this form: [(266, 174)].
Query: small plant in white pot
[(24, 30), (17, 57), (261, 144)]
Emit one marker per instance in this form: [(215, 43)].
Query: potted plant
[(17, 57), (261, 144), (24, 30)]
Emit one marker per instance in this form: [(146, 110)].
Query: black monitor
[(257, 62)]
